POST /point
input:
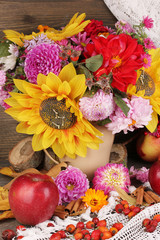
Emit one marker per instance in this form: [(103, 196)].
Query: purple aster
[(147, 22), (98, 107), (43, 58), (110, 175), (72, 183)]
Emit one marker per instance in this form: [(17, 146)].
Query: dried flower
[(110, 175), (140, 174), (95, 199), (72, 183), (43, 58)]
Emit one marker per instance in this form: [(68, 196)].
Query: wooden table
[(25, 16)]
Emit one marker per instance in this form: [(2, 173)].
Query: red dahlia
[(121, 56), (94, 28)]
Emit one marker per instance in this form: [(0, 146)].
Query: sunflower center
[(94, 202), (55, 114), (145, 82)]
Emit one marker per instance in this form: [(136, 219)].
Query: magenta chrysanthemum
[(98, 107), (43, 58), (110, 175), (72, 183)]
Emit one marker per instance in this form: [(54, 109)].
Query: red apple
[(148, 147), (154, 176), (33, 198)]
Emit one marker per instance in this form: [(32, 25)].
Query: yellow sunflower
[(95, 199), (148, 86), (75, 25), (50, 111)]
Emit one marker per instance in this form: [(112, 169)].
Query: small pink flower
[(148, 43), (146, 58), (147, 22), (124, 26), (2, 77), (110, 175), (142, 175), (4, 95), (81, 40)]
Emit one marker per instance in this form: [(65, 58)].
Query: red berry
[(50, 225), (102, 223), (95, 220), (87, 237), (150, 228), (62, 233), (55, 236), (8, 234), (77, 230), (118, 225), (96, 234), (136, 209), (19, 237), (90, 225), (80, 225), (119, 208), (78, 235), (157, 217), (106, 235), (153, 223), (131, 214), (70, 228), (126, 211), (21, 228), (85, 232), (123, 202), (146, 222)]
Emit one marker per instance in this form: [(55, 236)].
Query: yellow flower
[(75, 25), (148, 86), (95, 199), (50, 111)]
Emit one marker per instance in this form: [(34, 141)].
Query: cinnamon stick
[(140, 194), (81, 207), (61, 214), (154, 196), (148, 199), (76, 205), (69, 206)]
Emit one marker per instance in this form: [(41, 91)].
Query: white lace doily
[(133, 11)]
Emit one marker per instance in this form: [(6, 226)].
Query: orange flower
[(95, 199)]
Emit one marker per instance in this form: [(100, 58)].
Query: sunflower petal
[(78, 86), (81, 148), (64, 88), (22, 127), (59, 149), (49, 137), (53, 82), (67, 73), (37, 142), (153, 123), (41, 79)]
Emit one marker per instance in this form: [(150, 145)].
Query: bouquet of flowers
[(63, 82)]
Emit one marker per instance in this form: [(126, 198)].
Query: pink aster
[(3, 95), (110, 175), (142, 174), (72, 183), (124, 27), (43, 58), (139, 115), (81, 40), (98, 107), (2, 77), (149, 44), (147, 22), (146, 58)]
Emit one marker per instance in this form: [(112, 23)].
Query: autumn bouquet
[(59, 83)]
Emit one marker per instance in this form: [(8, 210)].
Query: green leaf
[(103, 122), (94, 63), (121, 103), (83, 70), (4, 49)]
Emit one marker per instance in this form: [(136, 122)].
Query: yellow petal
[(41, 79), (67, 73), (11, 102), (59, 149), (37, 142), (49, 137), (41, 127), (78, 86), (53, 82), (64, 88), (81, 148), (14, 112), (22, 127), (14, 36), (153, 123), (46, 88)]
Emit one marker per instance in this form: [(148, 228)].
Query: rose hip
[(96, 234), (95, 220), (70, 228), (87, 237), (90, 225), (62, 233), (8, 234), (118, 225), (80, 225), (106, 235), (55, 236), (78, 235), (102, 223), (119, 208), (157, 217), (146, 222)]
